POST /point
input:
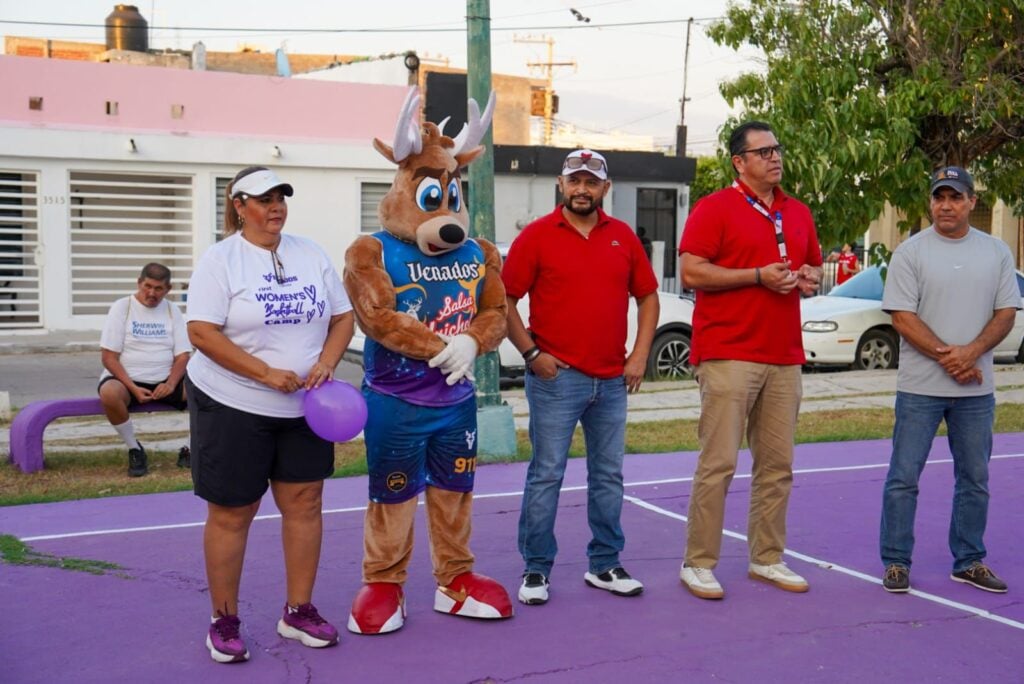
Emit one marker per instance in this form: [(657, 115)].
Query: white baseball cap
[(585, 160), (260, 182)]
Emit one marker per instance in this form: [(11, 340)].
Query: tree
[(712, 174), (870, 96)]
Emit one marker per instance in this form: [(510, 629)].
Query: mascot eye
[(454, 196), (429, 194)]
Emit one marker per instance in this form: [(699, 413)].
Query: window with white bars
[(119, 223), (370, 195), (19, 244), (220, 189)]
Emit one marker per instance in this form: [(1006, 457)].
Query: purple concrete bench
[(28, 426)]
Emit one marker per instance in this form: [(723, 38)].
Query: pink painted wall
[(216, 103)]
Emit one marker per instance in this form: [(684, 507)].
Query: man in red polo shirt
[(580, 267), (750, 251)]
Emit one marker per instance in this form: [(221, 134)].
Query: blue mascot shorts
[(409, 447)]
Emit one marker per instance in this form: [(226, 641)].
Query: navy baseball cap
[(953, 177)]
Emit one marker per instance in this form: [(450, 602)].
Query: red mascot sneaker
[(378, 608), (475, 596)]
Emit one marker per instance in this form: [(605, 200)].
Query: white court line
[(826, 565), (798, 471), (963, 607), (651, 507), (493, 495), (156, 528)]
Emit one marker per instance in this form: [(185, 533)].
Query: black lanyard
[(776, 221)]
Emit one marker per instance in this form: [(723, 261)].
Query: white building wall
[(325, 208), (53, 255), (327, 177)]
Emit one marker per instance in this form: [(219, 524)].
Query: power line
[(643, 118), (264, 30)]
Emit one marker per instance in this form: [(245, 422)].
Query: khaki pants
[(767, 399)]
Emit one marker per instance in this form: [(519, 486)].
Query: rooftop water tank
[(127, 29)]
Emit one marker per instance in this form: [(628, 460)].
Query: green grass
[(85, 475), (15, 552)]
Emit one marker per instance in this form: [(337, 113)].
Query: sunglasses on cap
[(593, 163)]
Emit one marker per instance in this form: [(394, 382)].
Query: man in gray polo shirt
[(953, 296)]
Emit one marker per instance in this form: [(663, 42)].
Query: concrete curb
[(659, 401)]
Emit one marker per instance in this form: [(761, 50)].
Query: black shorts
[(236, 454), (176, 398)]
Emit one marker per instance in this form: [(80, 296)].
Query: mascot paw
[(475, 596), (378, 608)]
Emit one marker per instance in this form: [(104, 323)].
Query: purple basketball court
[(148, 621)]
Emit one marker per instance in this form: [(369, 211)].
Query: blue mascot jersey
[(440, 292)]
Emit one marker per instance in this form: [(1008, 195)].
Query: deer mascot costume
[(429, 300)]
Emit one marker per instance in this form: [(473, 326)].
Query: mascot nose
[(452, 233)]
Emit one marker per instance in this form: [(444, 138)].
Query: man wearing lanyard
[(750, 251)]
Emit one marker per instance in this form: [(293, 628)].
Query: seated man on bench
[(144, 348)]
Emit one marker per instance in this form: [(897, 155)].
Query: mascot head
[(424, 204)]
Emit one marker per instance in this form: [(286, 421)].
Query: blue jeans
[(556, 406), (969, 424)]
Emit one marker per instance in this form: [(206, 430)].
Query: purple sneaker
[(305, 624), (224, 641)]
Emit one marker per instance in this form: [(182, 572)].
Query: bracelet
[(757, 275), (530, 354)]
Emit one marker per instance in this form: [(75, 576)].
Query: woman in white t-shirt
[(269, 318)]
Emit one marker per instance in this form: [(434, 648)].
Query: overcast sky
[(629, 77)]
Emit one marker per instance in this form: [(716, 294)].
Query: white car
[(848, 327)]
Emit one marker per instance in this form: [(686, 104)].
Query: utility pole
[(548, 68), (681, 129), (495, 425)]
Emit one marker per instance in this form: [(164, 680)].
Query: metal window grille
[(981, 216), (120, 222), (19, 245), (656, 212), (220, 189), (370, 195)]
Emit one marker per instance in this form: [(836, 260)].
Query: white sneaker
[(534, 590), (780, 576), (616, 580), (701, 582)]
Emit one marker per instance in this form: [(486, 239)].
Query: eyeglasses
[(278, 268), (592, 163), (765, 152)]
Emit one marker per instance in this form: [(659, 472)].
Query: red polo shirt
[(748, 323), (579, 288)]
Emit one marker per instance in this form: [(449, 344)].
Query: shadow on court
[(146, 620)]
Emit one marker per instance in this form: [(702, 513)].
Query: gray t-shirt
[(953, 286)]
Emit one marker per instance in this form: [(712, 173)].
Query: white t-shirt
[(285, 325), (147, 338)]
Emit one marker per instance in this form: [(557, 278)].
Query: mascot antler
[(473, 131), (407, 131)]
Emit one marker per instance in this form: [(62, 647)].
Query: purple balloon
[(335, 411)]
